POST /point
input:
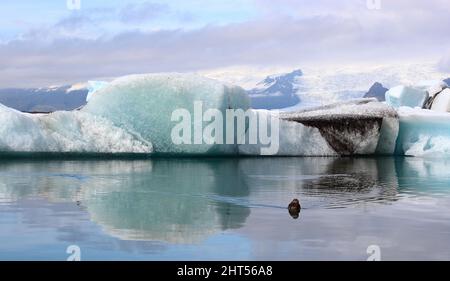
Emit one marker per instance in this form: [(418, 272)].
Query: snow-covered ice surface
[(75, 132), (423, 133)]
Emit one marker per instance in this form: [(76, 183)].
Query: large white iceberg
[(144, 104)]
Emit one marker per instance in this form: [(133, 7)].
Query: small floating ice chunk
[(406, 96)]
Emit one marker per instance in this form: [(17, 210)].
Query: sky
[(51, 42)]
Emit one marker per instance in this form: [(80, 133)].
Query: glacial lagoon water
[(225, 208)]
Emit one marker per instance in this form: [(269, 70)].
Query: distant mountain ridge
[(377, 91), (276, 91), (273, 92), (44, 99), (447, 81)]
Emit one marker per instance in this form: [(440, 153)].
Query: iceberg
[(295, 139), (406, 96), (424, 127), (423, 133), (359, 127), (134, 114), (65, 132), (144, 104)]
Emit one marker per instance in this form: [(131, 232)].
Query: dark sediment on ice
[(346, 126)]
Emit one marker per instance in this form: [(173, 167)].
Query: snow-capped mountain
[(377, 91), (44, 99), (447, 81), (276, 91)]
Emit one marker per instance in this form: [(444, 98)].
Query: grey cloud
[(96, 22), (87, 16), (85, 23), (142, 12), (75, 21), (369, 36)]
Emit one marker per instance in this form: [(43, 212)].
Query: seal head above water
[(294, 208)]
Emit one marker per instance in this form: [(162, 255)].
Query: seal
[(294, 208)]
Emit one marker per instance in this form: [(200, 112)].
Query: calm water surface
[(225, 209)]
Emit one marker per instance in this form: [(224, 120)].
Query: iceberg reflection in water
[(225, 208)]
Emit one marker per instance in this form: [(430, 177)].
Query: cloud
[(405, 30), (142, 12), (75, 21), (91, 23)]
